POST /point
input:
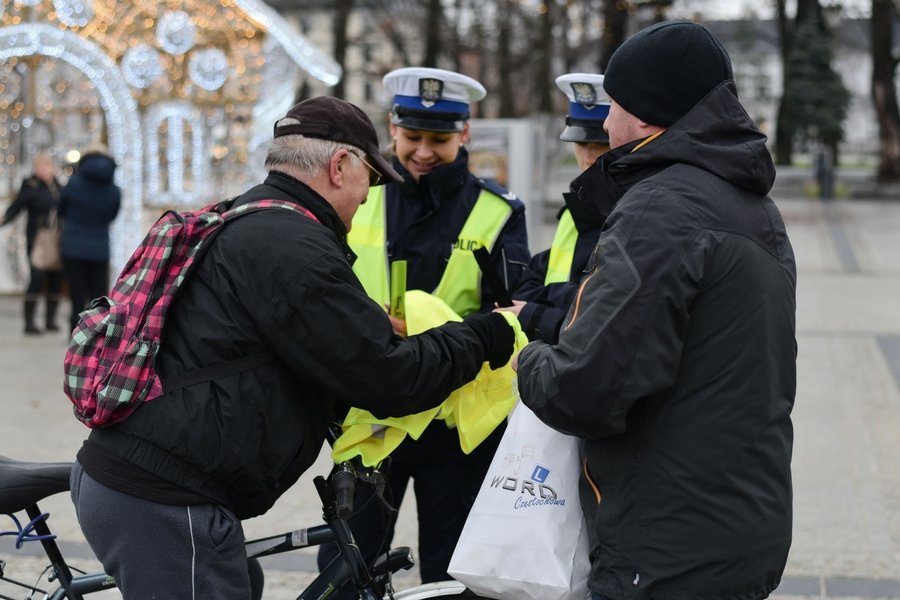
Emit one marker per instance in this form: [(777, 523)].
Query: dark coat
[(38, 200), (589, 204), (424, 219), (89, 204), (278, 282), (677, 367)]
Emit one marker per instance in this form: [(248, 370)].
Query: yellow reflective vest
[(460, 286), (474, 410), (562, 250)]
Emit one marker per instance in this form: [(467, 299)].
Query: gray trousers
[(161, 551)]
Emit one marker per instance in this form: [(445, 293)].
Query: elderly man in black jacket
[(677, 361), (160, 495)]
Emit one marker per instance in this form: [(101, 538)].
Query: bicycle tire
[(440, 589)]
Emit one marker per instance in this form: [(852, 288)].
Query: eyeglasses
[(374, 175)]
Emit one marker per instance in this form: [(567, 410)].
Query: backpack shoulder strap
[(257, 205), (246, 363), (216, 371)]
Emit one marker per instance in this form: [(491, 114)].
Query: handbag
[(525, 537), (45, 254)]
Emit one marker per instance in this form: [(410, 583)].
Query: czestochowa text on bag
[(109, 365), (525, 537)]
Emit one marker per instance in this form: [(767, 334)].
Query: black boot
[(30, 329), (51, 315)]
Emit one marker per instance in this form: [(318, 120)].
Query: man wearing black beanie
[(677, 362), (660, 73)]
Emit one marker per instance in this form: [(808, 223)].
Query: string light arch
[(201, 82)]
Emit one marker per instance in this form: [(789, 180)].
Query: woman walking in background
[(90, 202), (39, 197)]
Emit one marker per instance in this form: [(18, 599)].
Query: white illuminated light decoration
[(122, 117), (313, 61), (12, 87), (141, 66), (74, 13), (175, 32), (175, 115), (208, 68)]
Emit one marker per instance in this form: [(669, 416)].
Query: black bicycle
[(24, 484)]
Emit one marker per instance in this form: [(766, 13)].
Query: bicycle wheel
[(439, 589)]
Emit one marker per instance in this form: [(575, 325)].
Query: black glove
[(495, 335)]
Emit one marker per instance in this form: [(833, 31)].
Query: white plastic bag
[(525, 537)]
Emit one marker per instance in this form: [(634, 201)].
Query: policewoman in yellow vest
[(550, 284), (433, 220)]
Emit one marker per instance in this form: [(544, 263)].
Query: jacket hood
[(97, 167), (716, 135)]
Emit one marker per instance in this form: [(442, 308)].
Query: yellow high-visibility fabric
[(367, 240), (475, 409), (460, 285), (562, 250)]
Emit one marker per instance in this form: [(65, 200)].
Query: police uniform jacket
[(279, 283), (39, 200), (589, 203), (423, 221), (677, 367), (89, 203)]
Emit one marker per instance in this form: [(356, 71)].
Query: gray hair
[(304, 155)]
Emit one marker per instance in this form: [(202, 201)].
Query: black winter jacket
[(38, 200), (589, 203), (279, 282), (677, 367), (89, 204)]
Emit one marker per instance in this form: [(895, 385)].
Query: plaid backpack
[(109, 365)]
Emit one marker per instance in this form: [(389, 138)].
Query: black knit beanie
[(662, 71)]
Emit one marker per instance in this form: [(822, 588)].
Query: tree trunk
[(504, 61), (343, 9), (544, 75), (433, 19), (784, 139), (615, 29), (883, 92)]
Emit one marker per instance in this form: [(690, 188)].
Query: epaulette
[(496, 188)]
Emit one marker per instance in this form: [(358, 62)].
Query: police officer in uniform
[(433, 220), (551, 282)]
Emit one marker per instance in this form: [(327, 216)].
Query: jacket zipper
[(587, 476), (578, 298)]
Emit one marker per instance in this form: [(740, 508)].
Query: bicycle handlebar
[(345, 477), (343, 482)]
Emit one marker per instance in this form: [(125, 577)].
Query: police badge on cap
[(588, 108), (431, 99)]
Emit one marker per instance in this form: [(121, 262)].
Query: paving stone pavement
[(847, 420)]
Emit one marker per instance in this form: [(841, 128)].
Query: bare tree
[(615, 29), (783, 138), (434, 18), (504, 59), (884, 65), (341, 17), (547, 51)]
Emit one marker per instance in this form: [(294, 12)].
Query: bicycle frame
[(22, 485)]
